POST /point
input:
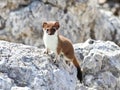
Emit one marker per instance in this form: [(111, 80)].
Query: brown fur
[(64, 45), (51, 27)]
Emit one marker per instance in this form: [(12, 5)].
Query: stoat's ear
[(44, 24), (57, 25)]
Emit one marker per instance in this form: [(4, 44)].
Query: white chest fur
[(50, 41)]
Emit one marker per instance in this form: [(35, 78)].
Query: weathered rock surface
[(27, 68), (111, 5), (100, 63), (21, 20)]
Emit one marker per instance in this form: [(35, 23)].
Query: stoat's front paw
[(45, 51), (54, 60)]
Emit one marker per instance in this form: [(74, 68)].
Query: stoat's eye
[(53, 29), (47, 30)]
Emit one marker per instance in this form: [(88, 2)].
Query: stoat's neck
[(51, 41)]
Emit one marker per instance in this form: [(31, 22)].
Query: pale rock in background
[(21, 21)]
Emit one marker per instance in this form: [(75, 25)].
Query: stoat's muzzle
[(50, 27), (51, 31)]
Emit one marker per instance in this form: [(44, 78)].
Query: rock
[(80, 20), (2, 23), (97, 18), (100, 62), (30, 20), (101, 1), (111, 5), (27, 68), (24, 26), (20, 88), (6, 6), (5, 82), (60, 4)]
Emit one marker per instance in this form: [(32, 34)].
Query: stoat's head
[(50, 27)]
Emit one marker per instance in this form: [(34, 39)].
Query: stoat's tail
[(79, 71)]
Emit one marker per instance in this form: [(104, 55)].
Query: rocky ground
[(27, 68), (100, 63)]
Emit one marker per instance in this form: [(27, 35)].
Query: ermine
[(59, 44)]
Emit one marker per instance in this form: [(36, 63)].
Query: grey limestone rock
[(100, 62), (25, 67), (28, 68), (21, 20)]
